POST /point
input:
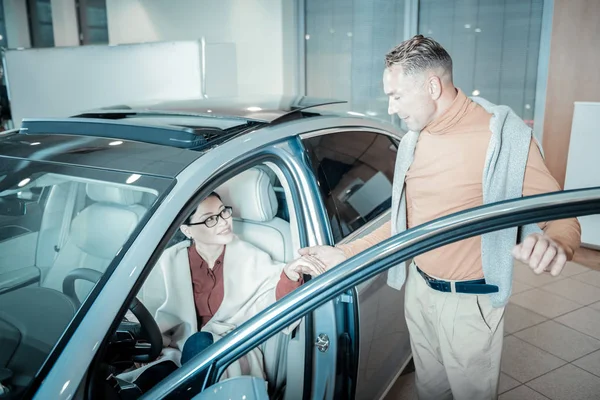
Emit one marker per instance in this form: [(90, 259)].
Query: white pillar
[(64, 23), (17, 24)]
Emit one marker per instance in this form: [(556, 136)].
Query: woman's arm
[(287, 285)]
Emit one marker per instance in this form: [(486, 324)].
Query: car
[(89, 203)]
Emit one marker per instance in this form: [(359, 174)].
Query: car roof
[(198, 124), (265, 109), (160, 138)]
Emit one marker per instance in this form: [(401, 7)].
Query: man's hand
[(541, 254), (328, 256), (304, 265)]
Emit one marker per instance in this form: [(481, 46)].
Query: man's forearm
[(356, 246)]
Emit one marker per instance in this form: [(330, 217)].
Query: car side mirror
[(12, 207)]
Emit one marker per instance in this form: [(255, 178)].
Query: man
[(459, 153)]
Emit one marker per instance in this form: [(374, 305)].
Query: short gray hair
[(419, 54)]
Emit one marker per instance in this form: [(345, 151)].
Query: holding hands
[(314, 261)]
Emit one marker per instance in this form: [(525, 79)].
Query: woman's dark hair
[(188, 220)]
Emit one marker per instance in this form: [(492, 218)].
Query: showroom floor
[(552, 338)]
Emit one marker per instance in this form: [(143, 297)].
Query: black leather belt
[(477, 286)]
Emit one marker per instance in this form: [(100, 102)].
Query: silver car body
[(70, 368)]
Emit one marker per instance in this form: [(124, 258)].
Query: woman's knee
[(195, 344)]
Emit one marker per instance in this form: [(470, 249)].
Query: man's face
[(409, 97)]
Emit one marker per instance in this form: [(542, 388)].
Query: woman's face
[(220, 234)]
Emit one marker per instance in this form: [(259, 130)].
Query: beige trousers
[(456, 342)]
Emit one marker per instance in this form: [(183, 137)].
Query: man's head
[(418, 81)]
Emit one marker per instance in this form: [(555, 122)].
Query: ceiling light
[(527, 106), (133, 178), (116, 143), (476, 92), (332, 31), (254, 109), (24, 182), (209, 111), (34, 143), (467, 26), (307, 37), (349, 34), (478, 30)]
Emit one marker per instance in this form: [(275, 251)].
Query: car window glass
[(61, 229), (355, 173)]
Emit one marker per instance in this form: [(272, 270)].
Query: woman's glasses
[(213, 220)]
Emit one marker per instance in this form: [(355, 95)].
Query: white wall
[(17, 24), (582, 163), (256, 27)]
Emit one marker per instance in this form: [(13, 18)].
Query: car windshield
[(61, 229)]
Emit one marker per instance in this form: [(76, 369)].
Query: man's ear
[(434, 86)]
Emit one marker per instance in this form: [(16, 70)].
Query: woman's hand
[(308, 265)]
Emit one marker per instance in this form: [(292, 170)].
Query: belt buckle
[(428, 279)]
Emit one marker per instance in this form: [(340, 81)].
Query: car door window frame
[(285, 157), (399, 248)]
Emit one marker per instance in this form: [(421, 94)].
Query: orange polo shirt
[(446, 177)]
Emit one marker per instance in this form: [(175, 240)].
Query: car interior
[(356, 173), (261, 216), (47, 268)]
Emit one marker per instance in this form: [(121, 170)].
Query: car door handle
[(322, 342)]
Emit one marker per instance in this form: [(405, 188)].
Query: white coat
[(250, 280)]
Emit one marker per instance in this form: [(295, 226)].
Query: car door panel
[(18, 252), (384, 348), (19, 278), (355, 171), (19, 236), (384, 340)]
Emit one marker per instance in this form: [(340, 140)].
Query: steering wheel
[(129, 332)]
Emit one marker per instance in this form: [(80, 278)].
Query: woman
[(203, 288)]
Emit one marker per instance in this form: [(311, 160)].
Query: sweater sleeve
[(538, 180), (286, 285), (377, 236)]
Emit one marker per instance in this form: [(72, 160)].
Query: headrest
[(102, 229), (251, 195), (112, 194)]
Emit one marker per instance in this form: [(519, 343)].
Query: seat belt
[(65, 227)]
